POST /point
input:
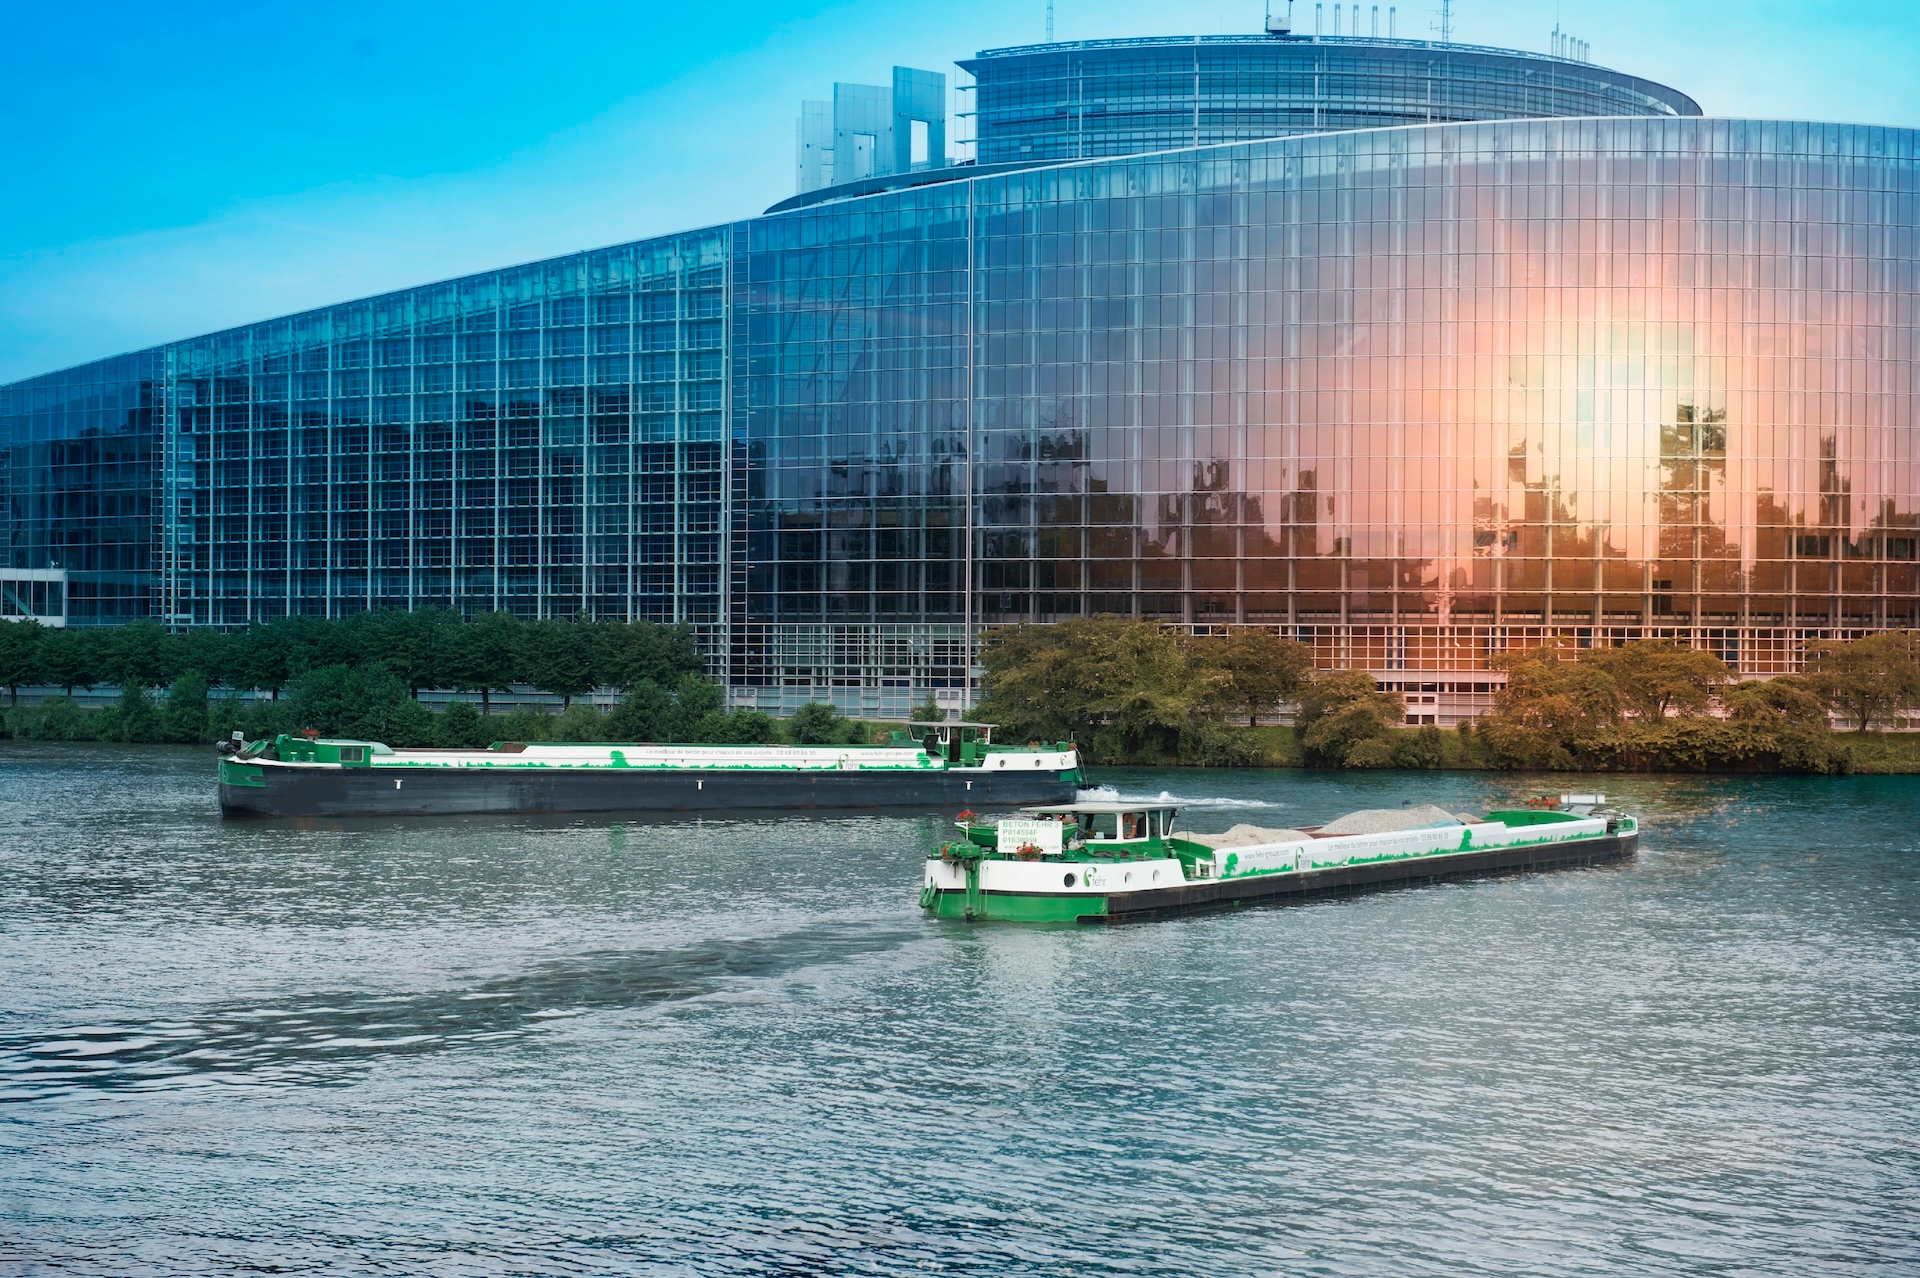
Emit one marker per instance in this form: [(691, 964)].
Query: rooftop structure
[(1050, 102), (869, 130)]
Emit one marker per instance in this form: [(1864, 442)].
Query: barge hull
[(374, 791), (1275, 889)]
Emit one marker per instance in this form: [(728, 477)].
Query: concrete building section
[(34, 594)]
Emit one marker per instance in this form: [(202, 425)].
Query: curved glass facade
[(1416, 395), (1419, 395), (1050, 102)]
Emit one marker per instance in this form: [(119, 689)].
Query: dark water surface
[(734, 1046)]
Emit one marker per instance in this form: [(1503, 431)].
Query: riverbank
[(1268, 746), (1867, 753)]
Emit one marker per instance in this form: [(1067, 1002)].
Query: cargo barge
[(1122, 862), (929, 766)]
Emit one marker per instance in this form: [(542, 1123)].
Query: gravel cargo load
[(1245, 836), (1388, 820)]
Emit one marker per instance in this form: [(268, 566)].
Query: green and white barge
[(933, 765), (1121, 861)]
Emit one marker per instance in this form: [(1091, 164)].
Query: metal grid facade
[(547, 440), (1416, 396)]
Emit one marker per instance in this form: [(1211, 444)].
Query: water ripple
[(330, 1037), (732, 1047)]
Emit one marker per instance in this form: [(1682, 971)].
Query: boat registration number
[(1015, 832)]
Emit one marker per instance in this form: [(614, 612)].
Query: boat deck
[(1271, 889)]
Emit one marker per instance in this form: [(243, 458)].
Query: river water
[(728, 1046)]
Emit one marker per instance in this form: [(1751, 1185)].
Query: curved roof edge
[(1143, 42), (867, 187)]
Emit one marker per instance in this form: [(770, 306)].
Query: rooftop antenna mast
[(1446, 21), (1049, 21)]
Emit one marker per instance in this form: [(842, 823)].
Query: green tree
[(367, 703), (1551, 712), (1868, 681), (261, 659), (694, 698), (137, 654), (183, 718), (1125, 689), (557, 657), (642, 715), (1344, 721), (68, 659), (1792, 715), (20, 655), (460, 727), (1259, 668), (1785, 699), (819, 723), (1654, 677), (348, 641), (926, 711), (202, 649), (627, 653), (485, 656), (132, 717), (416, 645)]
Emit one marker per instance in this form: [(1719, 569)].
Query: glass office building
[(1414, 394)]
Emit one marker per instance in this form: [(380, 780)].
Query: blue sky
[(174, 169)]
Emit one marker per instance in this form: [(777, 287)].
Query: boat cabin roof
[(948, 723), (1102, 805)]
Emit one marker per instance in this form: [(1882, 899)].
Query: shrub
[(259, 720), (1421, 748), (642, 714), (461, 727), (523, 725), (130, 718), (740, 727), (183, 719), (1342, 711), (367, 703), (1209, 745), (579, 722), (819, 723), (57, 719)]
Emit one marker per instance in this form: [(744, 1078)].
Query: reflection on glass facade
[(547, 439), (80, 484), (1415, 395), (1125, 97)]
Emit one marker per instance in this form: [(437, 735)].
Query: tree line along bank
[(1128, 691), (1135, 692), (362, 677)]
